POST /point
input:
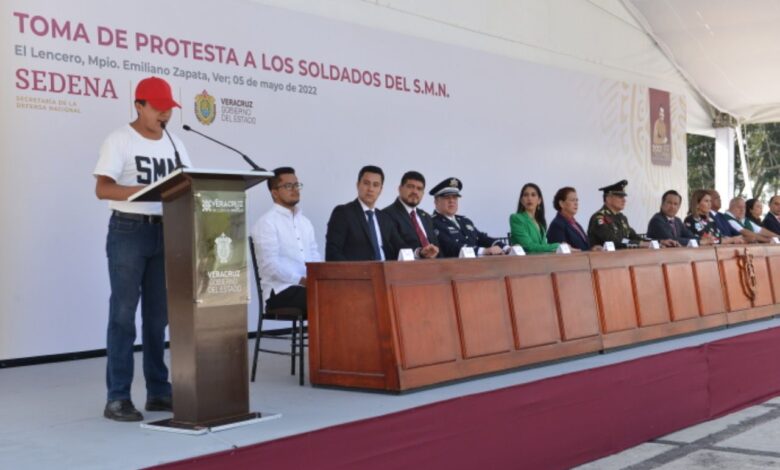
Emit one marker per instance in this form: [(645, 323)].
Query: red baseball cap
[(157, 93)]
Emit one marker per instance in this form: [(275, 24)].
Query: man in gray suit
[(666, 226)]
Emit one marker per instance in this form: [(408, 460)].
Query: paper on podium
[(152, 193)]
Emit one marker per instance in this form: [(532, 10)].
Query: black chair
[(292, 314)]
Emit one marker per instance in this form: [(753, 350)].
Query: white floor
[(51, 414)]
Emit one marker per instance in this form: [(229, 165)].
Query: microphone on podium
[(163, 124), (246, 158)]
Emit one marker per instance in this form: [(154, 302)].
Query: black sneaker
[(122, 410), (159, 404)]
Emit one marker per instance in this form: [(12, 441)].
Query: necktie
[(418, 229), (372, 235), (674, 227)]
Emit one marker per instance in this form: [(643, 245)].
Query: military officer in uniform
[(456, 231), (609, 224)]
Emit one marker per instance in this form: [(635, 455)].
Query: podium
[(204, 229)]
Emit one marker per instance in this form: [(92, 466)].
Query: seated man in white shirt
[(751, 232), (284, 243)]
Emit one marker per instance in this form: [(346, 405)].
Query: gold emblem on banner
[(205, 108), (747, 274)]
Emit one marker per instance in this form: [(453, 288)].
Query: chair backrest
[(257, 273)]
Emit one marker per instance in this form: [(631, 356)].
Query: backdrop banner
[(288, 89)]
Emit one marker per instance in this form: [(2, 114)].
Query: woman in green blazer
[(528, 226)]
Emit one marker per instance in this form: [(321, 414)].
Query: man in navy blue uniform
[(720, 219), (456, 231)]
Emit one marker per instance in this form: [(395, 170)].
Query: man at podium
[(133, 156)]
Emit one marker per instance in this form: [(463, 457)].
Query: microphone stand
[(246, 158)]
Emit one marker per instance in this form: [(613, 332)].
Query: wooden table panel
[(483, 310), (427, 329), (349, 339), (616, 299), (578, 315), (709, 291), (763, 282), (533, 310), (682, 291), (774, 276), (650, 295), (735, 294)]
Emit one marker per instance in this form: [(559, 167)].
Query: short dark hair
[(561, 195), (371, 169), (671, 192), (141, 102), (278, 172), (412, 175)]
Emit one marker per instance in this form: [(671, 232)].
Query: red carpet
[(554, 423)]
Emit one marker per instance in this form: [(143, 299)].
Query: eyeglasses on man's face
[(290, 186)]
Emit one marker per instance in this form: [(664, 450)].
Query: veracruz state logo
[(224, 250), (205, 108)]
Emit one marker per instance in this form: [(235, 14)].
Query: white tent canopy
[(728, 50)]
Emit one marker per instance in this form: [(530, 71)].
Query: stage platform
[(51, 414)]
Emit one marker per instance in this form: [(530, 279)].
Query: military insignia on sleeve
[(470, 227)]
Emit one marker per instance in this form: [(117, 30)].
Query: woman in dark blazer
[(563, 228), (754, 209)]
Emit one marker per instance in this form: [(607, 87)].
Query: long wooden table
[(397, 326)]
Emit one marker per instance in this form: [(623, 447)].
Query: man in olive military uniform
[(456, 231), (609, 224)]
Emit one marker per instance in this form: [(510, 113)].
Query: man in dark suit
[(772, 220), (720, 219), (456, 231), (413, 224), (666, 226), (357, 231)]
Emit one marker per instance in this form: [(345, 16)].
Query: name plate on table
[(517, 250), (609, 246), (564, 249), (693, 243), (654, 245), (467, 252), (775, 240), (406, 254)]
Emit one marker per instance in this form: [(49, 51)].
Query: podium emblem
[(223, 245), (205, 108)]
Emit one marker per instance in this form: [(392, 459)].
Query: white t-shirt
[(131, 159)]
